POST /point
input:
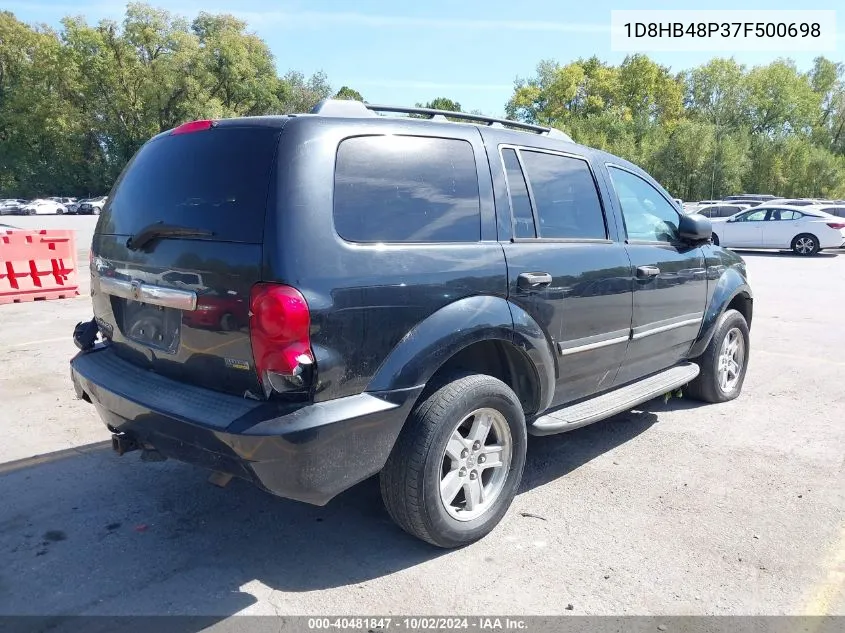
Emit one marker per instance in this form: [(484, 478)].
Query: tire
[(96, 210), (805, 244), (715, 239), (58, 212), (708, 386), (228, 322), (419, 464)]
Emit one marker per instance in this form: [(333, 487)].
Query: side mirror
[(695, 228)]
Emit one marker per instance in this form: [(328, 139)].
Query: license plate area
[(150, 325)]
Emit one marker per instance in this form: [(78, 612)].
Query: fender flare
[(728, 287), (435, 340)]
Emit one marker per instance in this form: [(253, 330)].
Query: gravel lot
[(675, 508)]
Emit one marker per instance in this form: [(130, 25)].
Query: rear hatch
[(178, 247)]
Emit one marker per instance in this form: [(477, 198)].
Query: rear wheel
[(805, 244), (724, 363), (458, 462), (228, 322)]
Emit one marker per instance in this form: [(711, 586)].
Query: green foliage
[(349, 94), (77, 104), (717, 129)]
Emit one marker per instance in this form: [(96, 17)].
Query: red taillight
[(279, 325), (836, 225), (193, 126)]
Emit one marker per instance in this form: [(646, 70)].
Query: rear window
[(406, 189), (215, 180)]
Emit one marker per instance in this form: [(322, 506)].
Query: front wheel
[(715, 239), (456, 466), (805, 244), (724, 363)]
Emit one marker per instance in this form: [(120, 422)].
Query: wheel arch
[(731, 292), (482, 334)]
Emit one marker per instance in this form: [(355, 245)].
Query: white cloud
[(324, 18), (429, 85), (313, 19)]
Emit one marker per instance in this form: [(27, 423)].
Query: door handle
[(647, 272), (533, 281)]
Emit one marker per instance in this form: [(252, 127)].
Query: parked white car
[(805, 230), (722, 209), (91, 206), (43, 207)]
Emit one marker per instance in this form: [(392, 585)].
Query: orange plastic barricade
[(37, 265)]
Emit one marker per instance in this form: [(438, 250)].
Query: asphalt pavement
[(675, 508)]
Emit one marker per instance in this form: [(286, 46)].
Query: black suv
[(306, 301)]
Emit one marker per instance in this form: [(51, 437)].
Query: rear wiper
[(158, 230)]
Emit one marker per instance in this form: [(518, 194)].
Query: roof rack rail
[(346, 108)]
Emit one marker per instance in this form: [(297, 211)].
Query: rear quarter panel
[(365, 298)]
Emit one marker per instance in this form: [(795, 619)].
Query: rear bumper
[(309, 453)]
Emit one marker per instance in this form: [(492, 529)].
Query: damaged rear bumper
[(308, 452)]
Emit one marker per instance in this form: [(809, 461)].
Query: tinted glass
[(406, 189), (648, 215), (215, 180), (523, 220), (708, 212), (565, 194)]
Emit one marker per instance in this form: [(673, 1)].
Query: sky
[(469, 51)]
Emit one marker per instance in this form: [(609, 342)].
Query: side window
[(752, 216), (523, 219), (406, 189), (648, 215), (729, 211), (565, 196), (708, 212), (784, 214)]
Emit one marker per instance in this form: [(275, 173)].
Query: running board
[(613, 402)]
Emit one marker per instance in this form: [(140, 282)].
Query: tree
[(298, 94), (349, 94), (708, 132), (717, 92), (781, 100), (441, 103)]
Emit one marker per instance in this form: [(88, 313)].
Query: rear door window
[(523, 217), (214, 180), (406, 189), (565, 196)]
